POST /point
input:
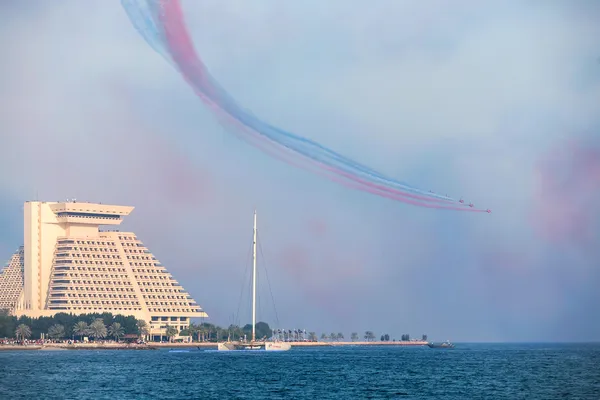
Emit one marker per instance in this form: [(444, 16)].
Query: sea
[(469, 371)]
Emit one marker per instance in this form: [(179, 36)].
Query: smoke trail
[(161, 24)]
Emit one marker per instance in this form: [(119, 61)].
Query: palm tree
[(354, 336), (333, 336), (234, 332), (116, 330), (369, 335), (193, 330), (200, 332), (324, 336), (80, 329), (312, 336), (340, 336), (56, 331), (23, 332), (97, 329), (142, 328), (171, 332)]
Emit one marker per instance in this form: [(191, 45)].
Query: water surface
[(470, 371)]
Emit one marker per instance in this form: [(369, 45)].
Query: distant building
[(68, 264)]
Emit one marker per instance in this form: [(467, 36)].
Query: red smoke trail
[(193, 70)]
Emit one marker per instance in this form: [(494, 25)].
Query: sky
[(497, 102)]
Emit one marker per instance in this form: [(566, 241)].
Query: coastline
[(203, 345)]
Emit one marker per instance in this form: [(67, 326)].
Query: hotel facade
[(68, 264)]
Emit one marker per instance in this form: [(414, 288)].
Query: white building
[(68, 264)]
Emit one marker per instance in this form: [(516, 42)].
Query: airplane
[(461, 201), (471, 205), (488, 211)]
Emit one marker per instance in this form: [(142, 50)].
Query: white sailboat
[(254, 344)]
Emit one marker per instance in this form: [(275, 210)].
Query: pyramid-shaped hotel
[(68, 264)]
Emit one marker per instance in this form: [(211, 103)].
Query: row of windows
[(99, 302), (94, 249), (155, 283), (87, 262), (138, 258), (144, 292), (98, 262), (97, 309), (166, 310), (94, 295), (146, 277), (126, 283), (95, 288), (82, 275), (145, 264), (118, 289), (90, 269), (92, 242), (155, 318), (136, 251), (164, 297), (91, 255), (132, 244), (127, 238), (150, 270), (87, 215)]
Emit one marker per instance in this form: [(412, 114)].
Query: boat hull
[(277, 346), (441, 346), (264, 346)]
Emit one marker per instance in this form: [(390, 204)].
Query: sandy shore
[(12, 347), (78, 346)]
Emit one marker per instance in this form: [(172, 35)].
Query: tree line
[(106, 325), (68, 326)]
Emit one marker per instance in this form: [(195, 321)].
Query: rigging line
[(237, 316), (268, 281)]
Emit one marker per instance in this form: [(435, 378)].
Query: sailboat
[(254, 344)]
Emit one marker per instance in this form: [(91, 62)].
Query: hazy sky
[(498, 102)]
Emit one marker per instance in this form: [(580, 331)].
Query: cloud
[(462, 99)]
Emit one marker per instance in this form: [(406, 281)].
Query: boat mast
[(254, 281)]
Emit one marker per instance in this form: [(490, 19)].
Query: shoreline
[(302, 344), (203, 345)]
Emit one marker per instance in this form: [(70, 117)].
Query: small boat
[(444, 345)]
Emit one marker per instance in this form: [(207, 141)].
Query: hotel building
[(68, 264)]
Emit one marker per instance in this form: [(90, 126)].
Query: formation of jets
[(463, 202), (472, 205)]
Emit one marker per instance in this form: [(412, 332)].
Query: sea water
[(470, 371)]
